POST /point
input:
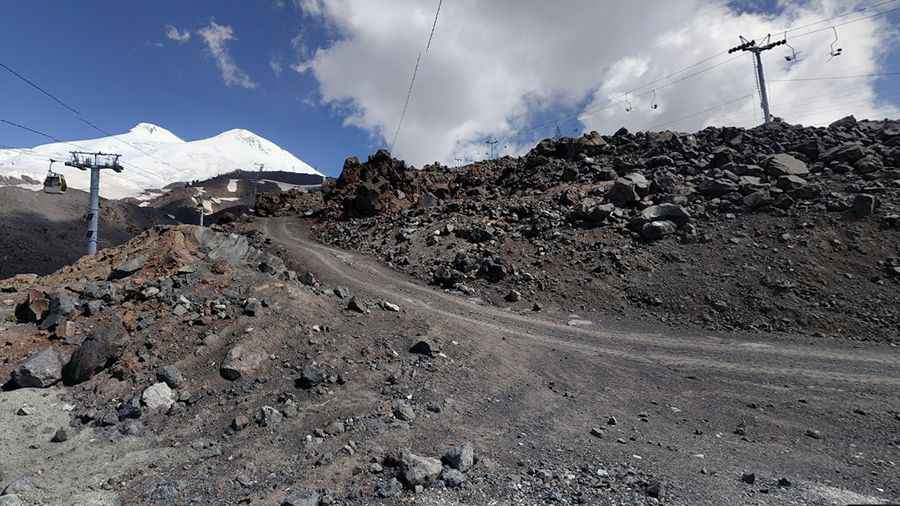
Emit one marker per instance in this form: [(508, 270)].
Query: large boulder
[(717, 187), (34, 308), (40, 371), (656, 230), (622, 193), (670, 212), (128, 267), (416, 470), (241, 361), (849, 152), (863, 205), (96, 352), (786, 165), (592, 211), (62, 304)]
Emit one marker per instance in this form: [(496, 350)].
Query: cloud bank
[(496, 69)]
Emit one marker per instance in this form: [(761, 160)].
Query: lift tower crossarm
[(750, 46)]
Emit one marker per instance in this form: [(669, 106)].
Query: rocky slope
[(778, 228), (217, 375), (41, 233)]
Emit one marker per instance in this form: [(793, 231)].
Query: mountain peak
[(155, 131)]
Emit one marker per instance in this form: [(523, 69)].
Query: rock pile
[(605, 207)]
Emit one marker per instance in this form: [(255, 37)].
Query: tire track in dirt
[(863, 367)]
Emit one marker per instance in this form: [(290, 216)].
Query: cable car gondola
[(54, 183)]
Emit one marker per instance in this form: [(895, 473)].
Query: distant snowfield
[(154, 157), (232, 185)]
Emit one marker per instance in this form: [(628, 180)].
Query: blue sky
[(102, 58), (113, 62)]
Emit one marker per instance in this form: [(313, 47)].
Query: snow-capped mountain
[(154, 157)]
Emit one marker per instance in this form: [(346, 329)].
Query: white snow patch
[(232, 185), (153, 157)]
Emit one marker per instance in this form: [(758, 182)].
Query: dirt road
[(699, 411)]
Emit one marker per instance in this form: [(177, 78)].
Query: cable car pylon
[(95, 162)]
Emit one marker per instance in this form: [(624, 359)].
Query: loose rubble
[(788, 225)]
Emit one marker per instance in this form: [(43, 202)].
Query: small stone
[(784, 482), (597, 432), (391, 488), (310, 376), (814, 434), (334, 428), (251, 307), (421, 348), (170, 375), (309, 279), (131, 428), (387, 306), (403, 411), (302, 498), (342, 292), (654, 489), (460, 457), (158, 397), (357, 305), (61, 436), (536, 307), (268, 416), (26, 411), (513, 296), (611, 421), (748, 478), (452, 478), (239, 423)]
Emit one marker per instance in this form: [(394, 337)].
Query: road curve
[(819, 364)]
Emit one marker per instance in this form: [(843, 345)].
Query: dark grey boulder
[(96, 352), (128, 267), (40, 371)]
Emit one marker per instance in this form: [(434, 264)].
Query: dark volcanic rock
[(96, 352), (40, 371)]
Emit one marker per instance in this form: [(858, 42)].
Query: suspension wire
[(848, 13), (80, 117), (833, 78), (704, 111), (412, 81)]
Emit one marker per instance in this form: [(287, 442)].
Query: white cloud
[(173, 33), (496, 66), (276, 66), (216, 36)]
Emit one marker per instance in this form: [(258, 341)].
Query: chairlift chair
[(628, 105), (794, 56), (54, 183), (653, 104), (835, 51)]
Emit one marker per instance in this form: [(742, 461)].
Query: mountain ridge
[(154, 157)]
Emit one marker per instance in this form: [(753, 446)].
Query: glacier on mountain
[(154, 157)]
